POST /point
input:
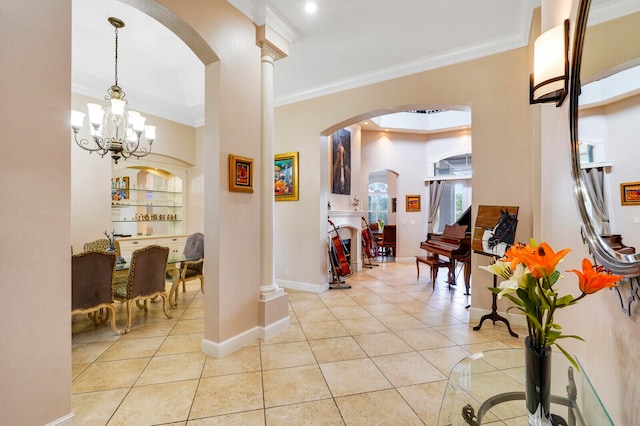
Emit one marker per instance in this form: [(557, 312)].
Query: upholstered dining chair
[(101, 245), (146, 280), (91, 290), (119, 277), (191, 270)]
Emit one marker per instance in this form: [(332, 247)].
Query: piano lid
[(465, 219)]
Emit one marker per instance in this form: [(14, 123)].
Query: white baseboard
[(220, 350), (68, 420), (300, 286)]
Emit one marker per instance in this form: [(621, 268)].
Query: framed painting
[(341, 159), (240, 174), (285, 177), (413, 203), (630, 193)]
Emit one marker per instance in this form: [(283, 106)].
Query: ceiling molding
[(407, 68), (609, 10), (261, 13)]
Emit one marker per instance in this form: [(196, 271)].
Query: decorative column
[(273, 315)]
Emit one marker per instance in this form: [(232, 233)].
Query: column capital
[(271, 43)]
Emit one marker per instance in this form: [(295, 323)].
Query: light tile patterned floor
[(376, 354)]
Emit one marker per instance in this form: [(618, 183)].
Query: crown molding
[(261, 13)]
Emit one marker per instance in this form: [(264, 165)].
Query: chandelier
[(115, 129)]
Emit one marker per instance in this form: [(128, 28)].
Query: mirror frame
[(624, 264)]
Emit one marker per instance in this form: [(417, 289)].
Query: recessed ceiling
[(345, 44)]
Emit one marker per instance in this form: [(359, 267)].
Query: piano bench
[(434, 263)]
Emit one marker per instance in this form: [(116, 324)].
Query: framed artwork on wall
[(341, 159), (285, 177), (240, 173), (413, 203), (630, 193)]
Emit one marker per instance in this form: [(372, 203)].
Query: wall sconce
[(550, 79)]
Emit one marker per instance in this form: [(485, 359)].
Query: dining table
[(174, 261)]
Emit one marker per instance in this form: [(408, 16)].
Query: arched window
[(378, 202)]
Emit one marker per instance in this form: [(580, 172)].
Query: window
[(456, 199), (456, 194), (378, 202)]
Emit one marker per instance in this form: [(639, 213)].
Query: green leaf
[(569, 357), (564, 301), (572, 336)]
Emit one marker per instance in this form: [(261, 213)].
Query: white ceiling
[(347, 43)]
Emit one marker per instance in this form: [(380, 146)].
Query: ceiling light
[(115, 129), (311, 7)]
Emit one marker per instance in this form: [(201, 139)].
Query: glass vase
[(537, 384)]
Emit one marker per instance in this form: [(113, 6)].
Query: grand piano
[(454, 244)]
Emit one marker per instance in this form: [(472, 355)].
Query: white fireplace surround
[(350, 220)]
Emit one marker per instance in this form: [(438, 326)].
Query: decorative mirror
[(601, 229)]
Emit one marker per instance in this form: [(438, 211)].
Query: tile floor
[(376, 354)]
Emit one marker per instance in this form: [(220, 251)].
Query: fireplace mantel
[(352, 220)]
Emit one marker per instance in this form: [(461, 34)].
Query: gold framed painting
[(630, 193), (240, 173), (285, 177), (413, 203)]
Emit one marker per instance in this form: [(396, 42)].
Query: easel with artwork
[(493, 233)]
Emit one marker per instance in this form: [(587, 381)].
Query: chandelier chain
[(116, 61)]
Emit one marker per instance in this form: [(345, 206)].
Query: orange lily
[(513, 255), (593, 279), (541, 260)]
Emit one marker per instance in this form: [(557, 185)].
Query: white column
[(268, 287)]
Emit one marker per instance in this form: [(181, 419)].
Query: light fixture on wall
[(550, 79), (114, 129)]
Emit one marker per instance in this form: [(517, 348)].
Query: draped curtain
[(435, 195), (594, 182)]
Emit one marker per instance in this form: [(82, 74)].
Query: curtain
[(435, 195), (594, 183)]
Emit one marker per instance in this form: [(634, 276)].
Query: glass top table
[(489, 387)]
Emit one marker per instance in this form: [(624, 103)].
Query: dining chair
[(192, 269), (91, 290), (388, 244), (119, 277), (145, 280)]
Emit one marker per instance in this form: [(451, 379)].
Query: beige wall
[(611, 337), (232, 126), (35, 170)]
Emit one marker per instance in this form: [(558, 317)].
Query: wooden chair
[(388, 244), (375, 230), (146, 280), (91, 286)]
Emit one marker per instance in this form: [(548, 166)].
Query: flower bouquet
[(530, 283)]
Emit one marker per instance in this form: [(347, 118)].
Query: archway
[(408, 141)]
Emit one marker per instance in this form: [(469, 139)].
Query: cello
[(339, 250), (368, 241)]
